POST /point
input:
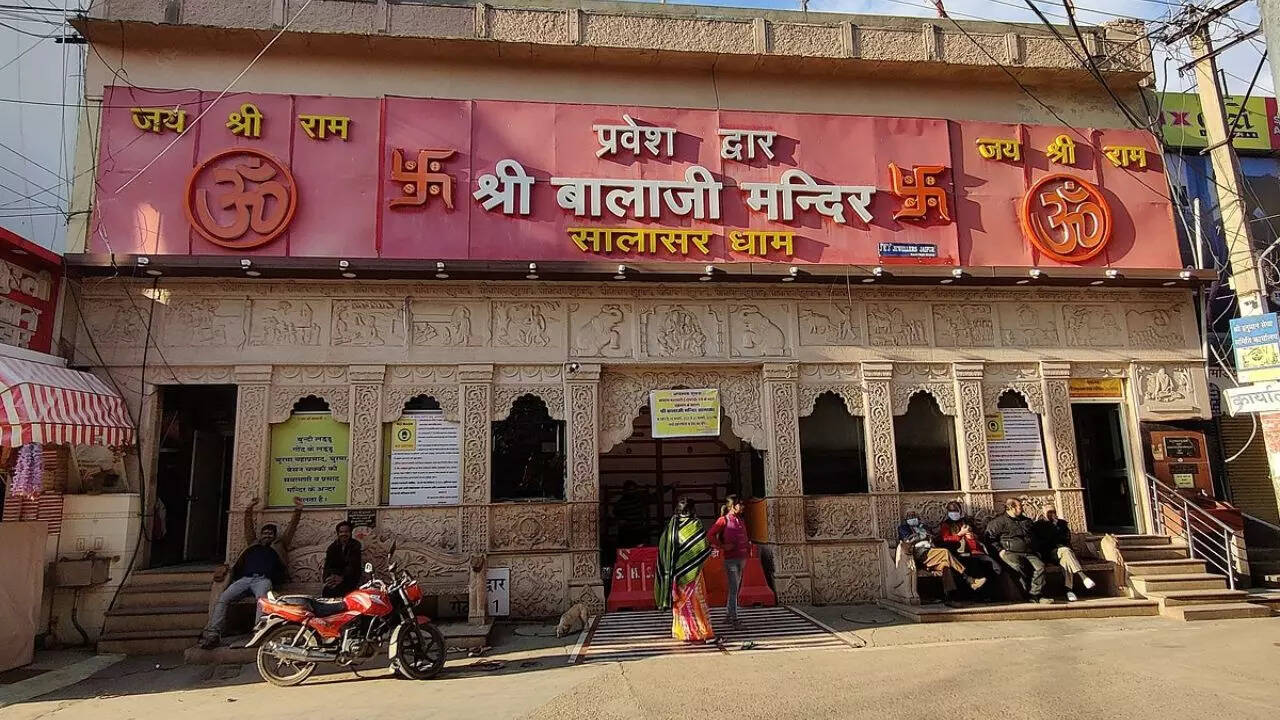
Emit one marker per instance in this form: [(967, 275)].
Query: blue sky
[(1239, 63)]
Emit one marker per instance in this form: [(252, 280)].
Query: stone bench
[(438, 572), (903, 579)]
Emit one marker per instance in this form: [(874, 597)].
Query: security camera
[(572, 367)]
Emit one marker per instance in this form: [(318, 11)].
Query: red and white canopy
[(49, 404)]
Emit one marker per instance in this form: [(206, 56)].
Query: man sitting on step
[(261, 566), (1053, 543), (1011, 532)]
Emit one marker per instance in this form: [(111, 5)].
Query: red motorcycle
[(297, 632)]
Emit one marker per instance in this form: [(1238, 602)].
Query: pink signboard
[(410, 178)]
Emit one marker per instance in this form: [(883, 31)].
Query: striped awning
[(49, 404)]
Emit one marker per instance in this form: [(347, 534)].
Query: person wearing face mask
[(959, 533), (1053, 543), (936, 559), (1012, 533)]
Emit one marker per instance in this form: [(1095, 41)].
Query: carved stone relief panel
[(1071, 508), (879, 427), (284, 397), (117, 322), (888, 511), (476, 414), (539, 585), (841, 379), (682, 331), (584, 434), (930, 506), (528, 324), (963, 325), (759, 330), (1170, 389), (973, 435), (475, 529), (1033, 502), (584, 525), (898, 324), (450, 323), (838, 517), (366, 446), (940, 391), (394, 398), (787, 517), (528, 374), (622, 394), (1092, 325), (250, 445), (369, 323), (1028, 324), (845, 574), (434, 527), (505, 396), (832, 324), (794, 591), (602, 330), (286, 322), (204, 322), (586, 566), (791, 559), (1157, 326), (1028, 389), (528, 526), (309, 375)]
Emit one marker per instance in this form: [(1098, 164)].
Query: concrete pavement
[(1122, 668)]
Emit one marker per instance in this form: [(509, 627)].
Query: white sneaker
[(1071, 597), (1089, 584)]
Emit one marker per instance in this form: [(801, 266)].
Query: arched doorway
[(642, 477)]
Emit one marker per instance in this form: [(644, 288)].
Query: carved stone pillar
[(366, 434), (252, 443), (1060, 446), (877, 425), (783, 484), (582, 489), (476, 400), (971, 436)]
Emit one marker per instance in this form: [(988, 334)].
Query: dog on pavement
[(573, 620)]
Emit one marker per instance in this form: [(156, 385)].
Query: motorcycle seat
[(320, 607)]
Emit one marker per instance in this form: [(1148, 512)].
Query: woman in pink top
[(729, 536)]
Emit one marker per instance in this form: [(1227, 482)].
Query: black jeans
[(1016, 561)]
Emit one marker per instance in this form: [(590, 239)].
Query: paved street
[(1121, 668)]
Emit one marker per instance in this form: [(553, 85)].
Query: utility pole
[(1245, 278)]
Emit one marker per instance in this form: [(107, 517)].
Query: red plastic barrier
[(632, 585), (754, 592)]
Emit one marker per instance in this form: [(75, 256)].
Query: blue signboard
[(1256, 340), (908, 250)]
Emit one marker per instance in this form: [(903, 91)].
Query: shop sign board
[(487, 180), (685, 413), (1256, 340), (1082, 388), (308, 460), (1254, 119), (1016, 450), (1262, 397), (425, 460)]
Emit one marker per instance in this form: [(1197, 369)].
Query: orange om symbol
[(241, 198), (1066, 218)]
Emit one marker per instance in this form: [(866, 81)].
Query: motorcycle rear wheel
[(281, 672), (420, 655)]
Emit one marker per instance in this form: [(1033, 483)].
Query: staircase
[(158, 611), (1160, 568), (1265, 565)]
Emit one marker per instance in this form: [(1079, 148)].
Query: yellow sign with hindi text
[(685, 413)]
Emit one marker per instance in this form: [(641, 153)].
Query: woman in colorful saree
[(682, 550)]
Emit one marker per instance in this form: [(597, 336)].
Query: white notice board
[(425, 460), (498, 592), (1016, 451)]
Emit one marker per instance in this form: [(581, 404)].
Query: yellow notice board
[(685, 413), (309, 460), (1096, 388)]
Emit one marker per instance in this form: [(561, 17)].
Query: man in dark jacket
[(261, 566), (1014, 535), (342, 566)]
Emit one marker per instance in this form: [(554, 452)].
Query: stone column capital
[(967, 370), (877, 371), (366, 374), (1055, 370), (252, 374), (475, 373)]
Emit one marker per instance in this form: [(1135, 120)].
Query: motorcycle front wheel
[(278, 671), (420, 652)]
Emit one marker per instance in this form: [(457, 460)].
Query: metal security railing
[(1208, 538)]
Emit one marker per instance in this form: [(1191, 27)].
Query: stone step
[(1188, 581), (167, 595), (1266, 596), (1270, 581), (1089, 608), (1139, 553), (1170, 598), (185, 617), (1216, 611), (1179, 566), (1264, 567), (153, 642), (1264, 554), (162, 576), (1123, 541)]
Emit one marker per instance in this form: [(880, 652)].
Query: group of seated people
[(960, 549)]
